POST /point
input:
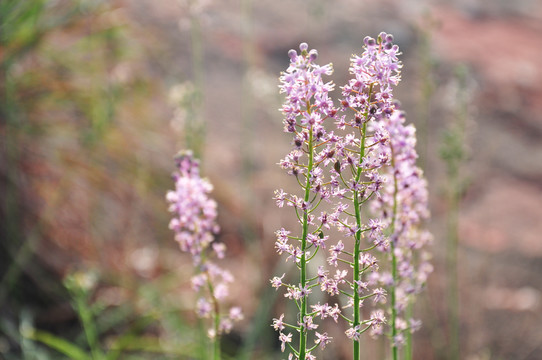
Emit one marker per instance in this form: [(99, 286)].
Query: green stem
[(248, 130), (393, 261), (427, 91), (408, 347), (357, 247), (393, 309), (456, 154), (453, 237), (195, 126), (216, 353), (81, 303), (216, 320), (304, 304)]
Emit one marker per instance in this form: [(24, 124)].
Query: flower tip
[(369, 41), (292, 54), (183, 154), (303, 46)]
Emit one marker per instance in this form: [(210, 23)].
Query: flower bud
[(292, 54)]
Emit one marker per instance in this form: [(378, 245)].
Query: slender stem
[(357, 247), (303, 264), (195, 126), (408, 347), (393, 305), (216, 319), (303, 332), (81, 303), (456, 155), (393, 260), (216, 352), (453, 237), (427, 91)]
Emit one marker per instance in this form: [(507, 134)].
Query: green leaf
[(63, 346)]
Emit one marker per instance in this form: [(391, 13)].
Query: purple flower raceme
[(194, 221), (366, 174), (194, 224), (392, 185), (306, 109), (362, 153), (403, 206)]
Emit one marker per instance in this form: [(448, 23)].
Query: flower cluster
[(195, 213), (194, 224), (363, 155), (403, 206), (306, 109), (355, 169)]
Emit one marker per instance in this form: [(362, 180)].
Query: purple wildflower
[(322, 339), (307, 323), (284, 339), (194, 224), (236, 314), (377, 319), (403, 205), (353, 333), (204, 308), (367, 166), (276, 282), (306, 109), (364, 158), (194, 221), (278, 324), (379, 295)]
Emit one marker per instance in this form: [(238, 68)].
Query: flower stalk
[(357, 247), (194, 224), (394, 262), (376, 193), (306, 108)]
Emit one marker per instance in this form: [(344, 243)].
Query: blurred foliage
[(454, 153), (84, 190), (70, 159), (454, 149)]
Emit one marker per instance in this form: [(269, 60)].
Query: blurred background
[(96, 97)]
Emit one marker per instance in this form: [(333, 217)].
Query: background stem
[(393, 260)]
